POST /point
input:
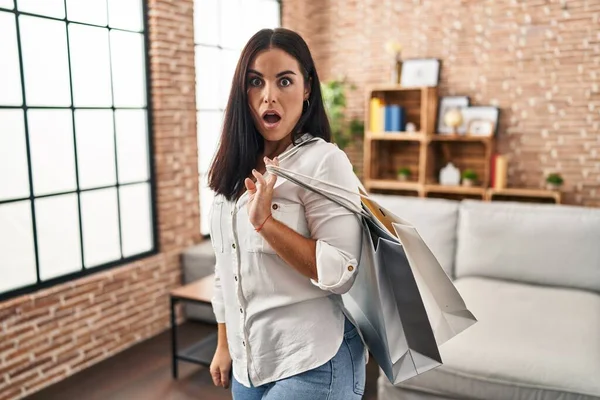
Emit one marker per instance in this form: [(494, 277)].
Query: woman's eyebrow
[(286, 72)]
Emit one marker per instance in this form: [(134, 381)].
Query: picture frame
[(485, 113), (420, 72), (446, 103), (481, 127)]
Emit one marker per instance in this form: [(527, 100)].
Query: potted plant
[(403, 174), (334, 99), (554, 181), (469, 177)]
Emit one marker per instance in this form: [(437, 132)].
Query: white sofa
[(531, 275)]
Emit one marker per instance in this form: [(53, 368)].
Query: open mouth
[(271, 118)]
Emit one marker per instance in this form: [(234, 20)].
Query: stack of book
[(386, 117)]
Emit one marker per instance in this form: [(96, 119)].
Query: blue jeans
[(341, 378)]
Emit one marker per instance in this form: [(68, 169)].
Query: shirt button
[(235, 277), (243, 343), (350, 268), (233, 245), (275, 206), (242, 311)]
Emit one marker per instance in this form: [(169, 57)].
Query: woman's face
[(276, 92)]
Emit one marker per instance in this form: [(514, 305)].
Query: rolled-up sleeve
[(336, 230)]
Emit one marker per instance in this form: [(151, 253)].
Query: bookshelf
[(423, 152)]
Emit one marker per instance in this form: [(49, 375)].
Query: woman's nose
[(269, 95)]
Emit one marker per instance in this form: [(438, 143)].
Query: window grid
[(199, 44), (40, 284)]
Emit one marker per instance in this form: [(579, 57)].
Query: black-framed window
[(76, 175), (221, 29)]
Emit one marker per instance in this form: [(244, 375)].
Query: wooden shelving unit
[(425, 152), (525, 195)]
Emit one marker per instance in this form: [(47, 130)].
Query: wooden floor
[(143, 372)]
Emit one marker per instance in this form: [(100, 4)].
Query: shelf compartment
[(388, 156), (464, 155)]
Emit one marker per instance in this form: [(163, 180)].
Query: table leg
[(174, 338)]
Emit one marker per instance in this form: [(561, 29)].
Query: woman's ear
[(307, 89)]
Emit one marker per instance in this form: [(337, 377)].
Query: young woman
[(284, 254)]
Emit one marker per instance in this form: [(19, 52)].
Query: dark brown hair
[(241, 144)]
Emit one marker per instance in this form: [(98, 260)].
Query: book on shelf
[(376, 121), (395, 118)]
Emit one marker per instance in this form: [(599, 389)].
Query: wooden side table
[(202, 352)]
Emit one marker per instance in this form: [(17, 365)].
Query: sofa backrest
[(434, 219), (540, 244)]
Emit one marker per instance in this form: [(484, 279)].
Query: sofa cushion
[(530, 343), (543, 244), (198, 261), (434, 219)]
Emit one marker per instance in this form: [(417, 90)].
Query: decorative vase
[(402, 177), (449, 175), (396, 71), (552, 186)]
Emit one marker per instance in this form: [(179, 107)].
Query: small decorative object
[(484, 113), (450, 175), (554, 181), (453, 119), (469, 177), (420, 72), (403, 174), (500, 172), (480, 127), (411, 127), (394, 49), (447, 103)]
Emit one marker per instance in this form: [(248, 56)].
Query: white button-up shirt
[(279, 322)]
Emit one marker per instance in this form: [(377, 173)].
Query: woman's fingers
[(272, 177), (250, 186), (225, 377), (215, 373)]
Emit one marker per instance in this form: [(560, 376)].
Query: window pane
[(89, 11), (209, 131), (10, 76), (206, 28), (7, 4), (229, 61), (95, 148), (17, 268), (125, 14), (45, 61), (100, 222), (128, 72), (259, 14), (132, 145), (90, 66), (232, 24), (14, 177), (51, 8), (207, 77), (59, 248), (136, 225), (52, 152)]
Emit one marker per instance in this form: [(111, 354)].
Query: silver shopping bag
[(402, 301)]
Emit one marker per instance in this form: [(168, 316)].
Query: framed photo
[(447, 103), (481, 113), (420, 72), (480, 127)]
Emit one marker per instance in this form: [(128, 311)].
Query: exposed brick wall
[(538, 60), (51, 334)]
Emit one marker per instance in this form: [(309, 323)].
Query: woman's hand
[(220, 367), (260, 194)]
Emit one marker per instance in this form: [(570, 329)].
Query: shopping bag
[(402, 301)]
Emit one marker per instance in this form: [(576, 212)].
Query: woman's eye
[(285, 82), (255, 82)]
